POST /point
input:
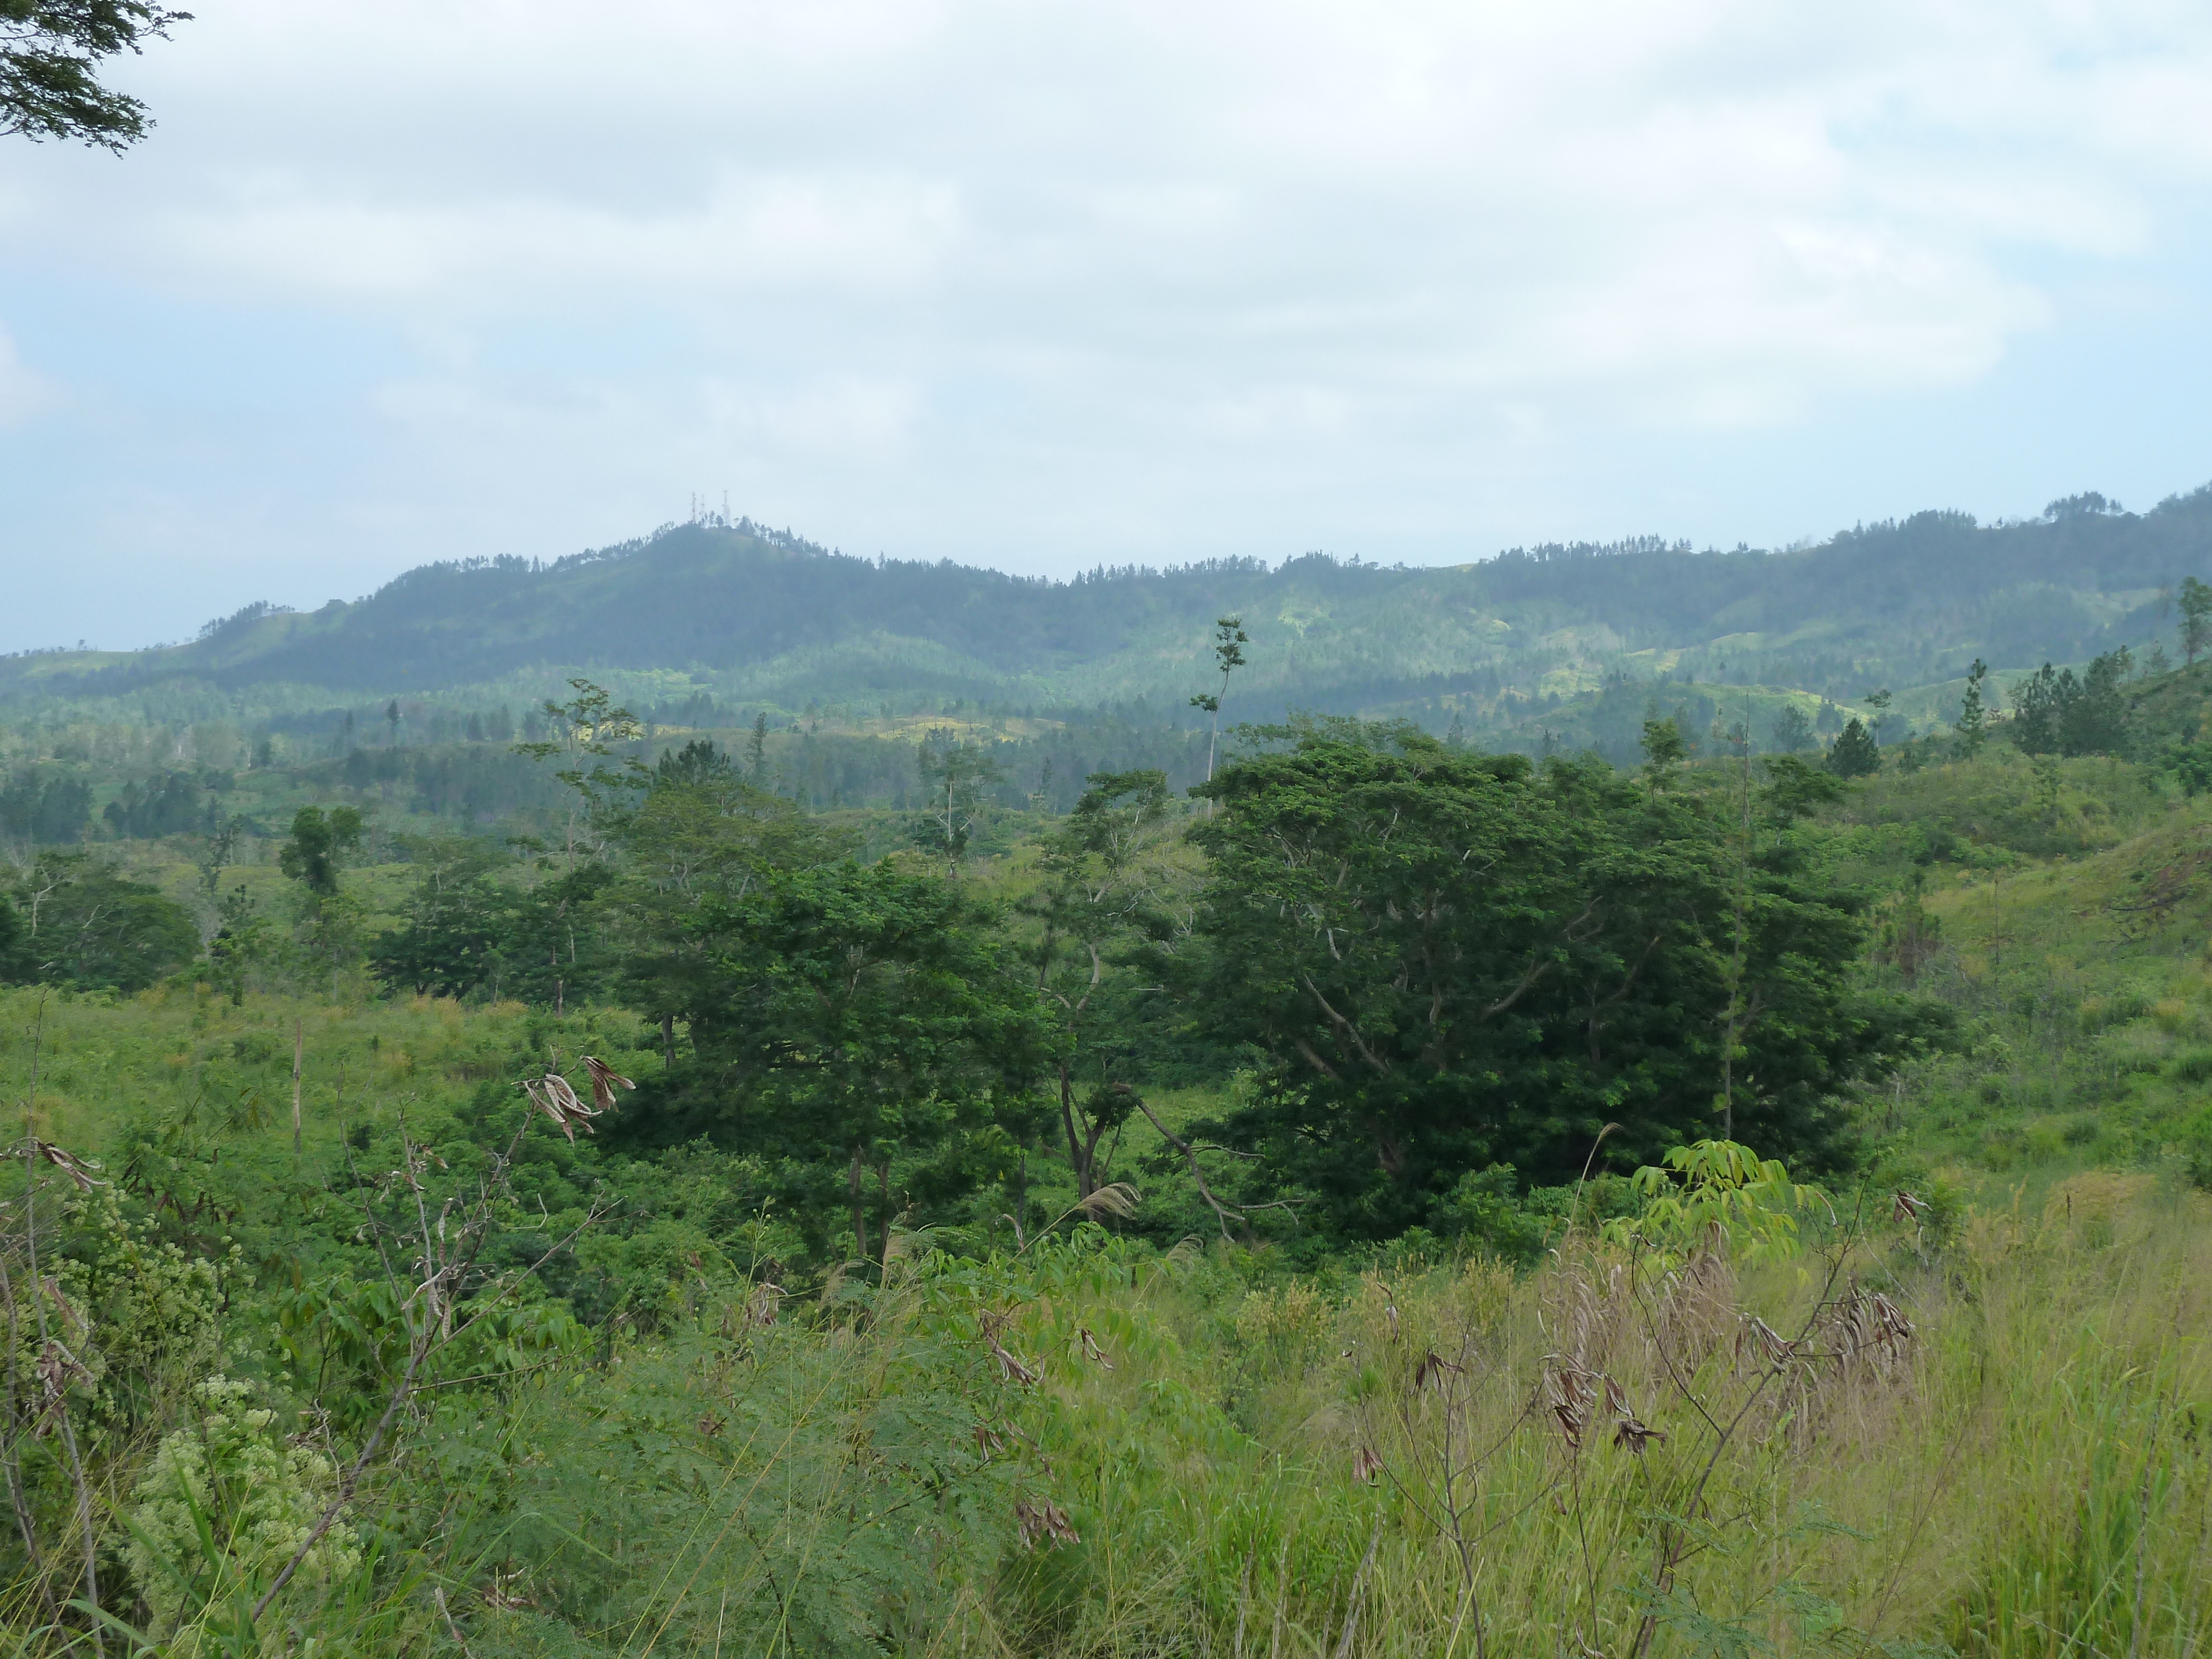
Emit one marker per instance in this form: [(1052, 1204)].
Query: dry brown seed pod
[(1764, 1341), (501, 1596), (538, 1100), (78, 1170), (68, 1310), (1042, 1519), (604, 1081), (761, 1306), (1432, 1369), (1634, 1436), (57, 1368), (1572, 1393), (1012, 1368), (557, 1089)]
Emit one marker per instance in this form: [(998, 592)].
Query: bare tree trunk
[(859, 1220), (299, 1054), (883, 1187), (1213, 735), (1075, 1157)]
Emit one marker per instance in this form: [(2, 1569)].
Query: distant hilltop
[(742, 612)]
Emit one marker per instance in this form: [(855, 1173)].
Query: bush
[(2102, 1013), (226, 1502), (1488, 1211)]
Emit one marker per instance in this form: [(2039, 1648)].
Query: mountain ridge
[(743, 611)]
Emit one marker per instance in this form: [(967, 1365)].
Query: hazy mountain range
[(1533, 637)]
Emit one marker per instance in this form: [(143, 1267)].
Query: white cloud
[(867, 257)]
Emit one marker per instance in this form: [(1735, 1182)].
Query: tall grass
[(1991, 1442), (1101, 1451)]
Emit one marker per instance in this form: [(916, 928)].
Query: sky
[(1041, 286)]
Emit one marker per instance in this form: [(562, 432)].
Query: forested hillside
[(764, 620)]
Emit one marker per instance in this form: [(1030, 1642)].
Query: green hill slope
[(763, 618)]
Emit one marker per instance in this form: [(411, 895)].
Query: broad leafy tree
[(862, 1029), (315, 851), (81, 922), (50, 56), (326, 937), (956, 781), (1665, 749), (460, 923), (1452, 961), (703, 833), (1116, 895)]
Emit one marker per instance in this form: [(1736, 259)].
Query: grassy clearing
[(1197, 1463)]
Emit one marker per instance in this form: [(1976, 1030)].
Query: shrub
[(226, 1501), (1486, 1211), (2101, 1013), (1292, 1320)]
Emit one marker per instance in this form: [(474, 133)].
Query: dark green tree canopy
[(1665, 749), (462, 924), (81, 922), (2057, 712), (2194, 601), (1450, 961), (1793, 730), (703, 833), (317, 845), (1853, 754), (51, 54), (1114, 894), (1974, 711), (860, 1028)]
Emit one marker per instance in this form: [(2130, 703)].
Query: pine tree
[(1793, 730), (1878, 701), (1973, 714), (2037, 701), (1854, 754), (757, 753), (2096, 720), (1665, 748), (2196, 602)]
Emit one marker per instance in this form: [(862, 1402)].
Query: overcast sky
[(1038, 285)]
